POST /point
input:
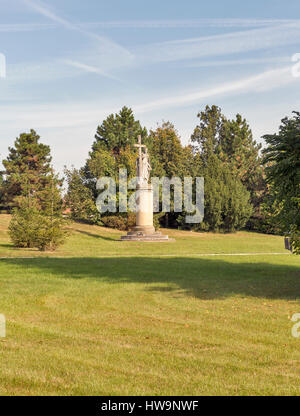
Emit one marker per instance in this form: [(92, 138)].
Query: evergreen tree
[(112, 150), (227, 201), (1, 191), (232, 141), (113, 147), (52, 231), (27, 170), (207, 134), (282, 159), (31, 228), (80, 198), (220, 147), (240, 151), (169, 157), (118, 131), (32, 188), (39, 226), (242, 154)]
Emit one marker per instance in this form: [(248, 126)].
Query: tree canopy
[(282, 159)]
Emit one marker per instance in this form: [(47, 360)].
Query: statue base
[(144, 230), (137, 234)]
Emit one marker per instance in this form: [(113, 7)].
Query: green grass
[(90, 241), (117, 318)]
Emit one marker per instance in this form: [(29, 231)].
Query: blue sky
[(70, 63)]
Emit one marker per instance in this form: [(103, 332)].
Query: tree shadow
[(198, 277), (7, 245), (101, 237)]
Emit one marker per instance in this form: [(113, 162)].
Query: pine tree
[(242, 154), (240, 151), (218, 146), (27, 169), (32, 188), (207, 134), (113, 147), (1, 191), (282, 159), (118, 131), (112, 150), (80, 198), (169, 157), (227, 201)]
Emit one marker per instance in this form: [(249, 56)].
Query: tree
[(227, 201), (24, 226), (207, 135), (27, 169), (241, 152), (112, 150), (80, 198), (113, 147), (282, 159), (220, 148), (1, 191), (51, 232), (32, 188), (233, 144), (118, 131), (170, 158), (29, 228)]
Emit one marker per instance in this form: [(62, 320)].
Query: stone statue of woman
[(146, 167)]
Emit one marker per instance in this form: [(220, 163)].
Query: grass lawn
[(101, 317)]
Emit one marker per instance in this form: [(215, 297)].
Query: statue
[(143, 167), (144, 229), (146, 167)]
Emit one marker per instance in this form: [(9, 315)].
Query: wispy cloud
[(45, 11), (89, 68), (25, 27), (44, 71), (142, 24), (106, 47), (264, 81), (242, 61), (85, 113), (50, 70), (229, 43), (188, 23)]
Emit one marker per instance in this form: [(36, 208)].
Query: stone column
[(144, 230), (144, 213)]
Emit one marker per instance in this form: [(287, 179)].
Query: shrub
[(295, 240), (23, 227), (122, 222), (115, 221), (50, 234), (31, 229)]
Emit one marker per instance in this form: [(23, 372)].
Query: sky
[(71, 63)]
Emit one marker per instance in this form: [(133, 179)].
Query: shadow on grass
[(201, 278), (7, 245), (100, 237)]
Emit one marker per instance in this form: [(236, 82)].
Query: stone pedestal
[(144, 209), (144, 230)]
